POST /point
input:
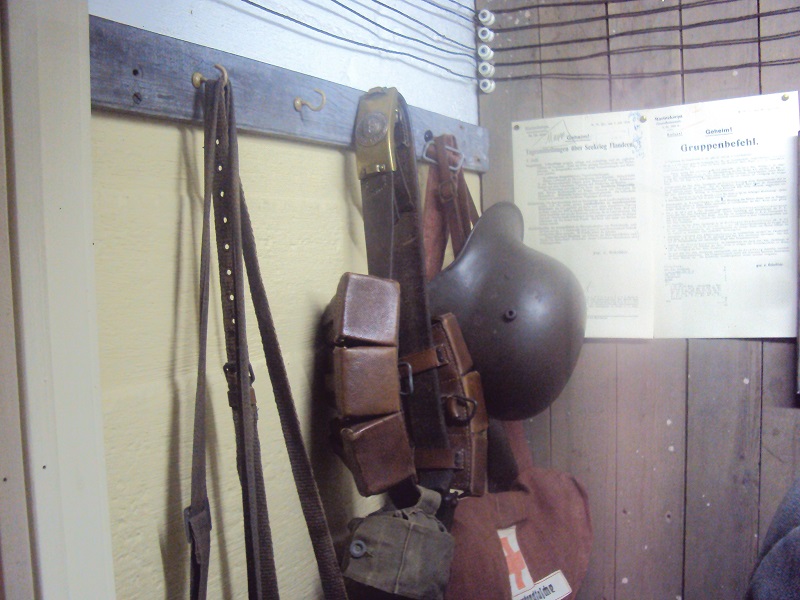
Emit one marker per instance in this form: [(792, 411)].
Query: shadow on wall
[(355, 226)]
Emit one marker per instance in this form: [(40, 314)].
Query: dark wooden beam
[(139, 72)]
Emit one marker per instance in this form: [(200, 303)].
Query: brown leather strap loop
[(434, 458), (427, 359), (449, 211)]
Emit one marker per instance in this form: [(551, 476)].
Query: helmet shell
[(523, 314)]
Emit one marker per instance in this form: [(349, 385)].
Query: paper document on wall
[(678, 222)]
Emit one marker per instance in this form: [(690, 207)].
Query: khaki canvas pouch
[(400, 553)]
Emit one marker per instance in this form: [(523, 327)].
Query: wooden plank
[(583, 419), (780, 441), (584, 443), (139, 72), (563, 95), (730, 82), (511, 101), (724, 401), (650, 459), (787, 77), (537, 432), (780, 460), (722, 479), (47, 62), (649, 92), (651, 405), (780, 363)]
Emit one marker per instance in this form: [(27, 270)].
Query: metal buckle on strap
[(229, 369), (456, 151), (460, 409), (407, 378), (188, 517)]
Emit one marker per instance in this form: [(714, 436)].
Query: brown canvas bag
[(529, 542)]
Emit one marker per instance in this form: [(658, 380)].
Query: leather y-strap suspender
[(236, 251), (449, 208), (391, 207)]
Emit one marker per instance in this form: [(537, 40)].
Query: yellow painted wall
[(305, 205)]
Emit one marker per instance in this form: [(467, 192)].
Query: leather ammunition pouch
[(369, 430)]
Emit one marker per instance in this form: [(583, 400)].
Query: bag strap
[(236, 252)]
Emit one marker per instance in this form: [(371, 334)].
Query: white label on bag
[(553, 587), (523, 587)]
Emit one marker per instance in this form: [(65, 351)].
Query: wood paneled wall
[(685, 447)]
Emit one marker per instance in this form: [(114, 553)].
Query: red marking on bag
[(519, 576)]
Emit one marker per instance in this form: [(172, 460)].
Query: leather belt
[(236, 252), (392, 223)]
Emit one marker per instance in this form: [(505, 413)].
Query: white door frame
[(50, 212), (16, 579)]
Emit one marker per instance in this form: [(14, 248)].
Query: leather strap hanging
[(236, 251), (392, 223), (449, 208)]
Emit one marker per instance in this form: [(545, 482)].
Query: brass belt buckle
[(374, 133)]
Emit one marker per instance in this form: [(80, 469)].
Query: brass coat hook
[(199, 79), (299, 103)]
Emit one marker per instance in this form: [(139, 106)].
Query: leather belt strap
[(393, 231), (236, 251), (197, 516), (427, 359)]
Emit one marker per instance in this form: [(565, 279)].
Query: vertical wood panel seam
[(541, 96), (761, 390), (608, 61), (685, 430), (683, 99), (616, 431), (760, 91)]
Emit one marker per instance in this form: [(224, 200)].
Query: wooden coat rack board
[(139, 72)]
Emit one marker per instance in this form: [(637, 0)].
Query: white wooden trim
[(16, 580), (51, 211)]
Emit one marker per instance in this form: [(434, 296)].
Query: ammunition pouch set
[(464, 506), (369, 429), (409, 413)]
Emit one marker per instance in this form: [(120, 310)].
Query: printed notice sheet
[(678, 222)]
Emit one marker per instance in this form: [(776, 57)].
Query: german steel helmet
[(523, 314)]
